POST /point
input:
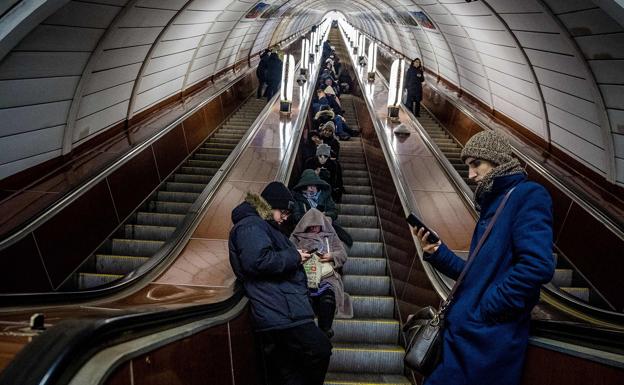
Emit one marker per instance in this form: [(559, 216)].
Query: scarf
[(312, 198), (485, 185)]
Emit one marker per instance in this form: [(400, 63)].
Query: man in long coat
[(486, 328)]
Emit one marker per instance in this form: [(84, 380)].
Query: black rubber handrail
[(56, 355)]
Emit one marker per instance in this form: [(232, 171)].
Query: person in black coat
[(327, 169), (328, 131), (261, 72), (269, 267), (274, 75), (413, 83)]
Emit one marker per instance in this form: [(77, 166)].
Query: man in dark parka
[(486, 328), (270, 269), (261, 72), (413, 83), (274, 75)]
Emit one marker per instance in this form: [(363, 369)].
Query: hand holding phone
[(417, 224)]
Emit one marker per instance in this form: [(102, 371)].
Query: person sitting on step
[(311, 192), (329, 300), (328, 137), (327, 169)]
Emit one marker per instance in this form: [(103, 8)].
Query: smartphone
[(417, 223), (313, 251)]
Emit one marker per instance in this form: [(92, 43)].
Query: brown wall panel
[(548, 367), (131, 183), (170, 151), (213, 114), (200, 359), (195, 129), (68, 238), (121, 376), (229, 101), (21, 268), (601, 260)]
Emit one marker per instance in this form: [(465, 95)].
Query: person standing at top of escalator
[(413, 83), (274, 74), (486, 328), (269, 267), (261, 72)]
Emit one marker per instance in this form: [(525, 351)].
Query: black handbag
[(424, 329)]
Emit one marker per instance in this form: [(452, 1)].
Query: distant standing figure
[(274, 75), (413, 83), (261, 72)]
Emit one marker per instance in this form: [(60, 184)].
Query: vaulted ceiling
[(72, 69)]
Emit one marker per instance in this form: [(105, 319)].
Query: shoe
[(344, 138), (329, 333)]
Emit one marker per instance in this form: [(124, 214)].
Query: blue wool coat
[(487, 326), (269, 267)]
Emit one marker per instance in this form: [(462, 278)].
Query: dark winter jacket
[(413, 82), (331, 171), (269, 267), (261, 71), (487, 326), (322, 117), (274, 70), (332, 142), (325, 202)]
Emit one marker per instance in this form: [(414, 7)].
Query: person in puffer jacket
[(269, 267)]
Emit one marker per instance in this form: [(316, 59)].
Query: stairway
[(366, 347), (155, 221), (566, 278)]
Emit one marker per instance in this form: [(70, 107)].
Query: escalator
[(153, 224)]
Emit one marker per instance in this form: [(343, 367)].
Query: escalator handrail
[(57, 354)]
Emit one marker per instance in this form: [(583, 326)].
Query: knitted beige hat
[(488, 145)]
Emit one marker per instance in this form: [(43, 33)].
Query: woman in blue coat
[(486, 328)]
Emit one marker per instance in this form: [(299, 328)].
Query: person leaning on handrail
[(486, 328), (269, 267)]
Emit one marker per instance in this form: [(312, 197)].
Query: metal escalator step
[(154, 233), (117, 264), (365, 266), (357, 221), (369, 306), (581, 293), (159, 219), (366, 331), (184, 187), (353, 166), (351, 158), (563, 277), (366, 249), (365, 379), (192, 178), (359, 190), (236, 125), (349, 198), (366, 284), (354, 209), (356, 181), (205, 149), (363, 234), (135, 247), (172, 196), (355, 173), (215, 139), (199, 170), (361, 358), (90, 280), (204, 163), (212, 144), (226, 135), (168, 207), (233, 130)]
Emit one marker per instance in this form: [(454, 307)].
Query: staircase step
[(117, 264), (366, 284), (367, 331), (365, 266), (91, 280), (365, 379), (361, 358), (159, 219), (135, 247), (366, 249), (152, 233), (368, 306)]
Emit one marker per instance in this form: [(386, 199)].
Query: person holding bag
[(484, 324)]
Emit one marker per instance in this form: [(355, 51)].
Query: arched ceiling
[(72, 69)]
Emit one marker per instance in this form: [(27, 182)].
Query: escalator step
[(349, 198), (363, 234), (366, 284), (154, 233), (225, 146), (581, 293), (361, 358), (355, 173), (171, 196), (356, 181), (117, 264), (207, 150), (563, 277), (359, 190), (365, 379), (192, 178), (370, 306), (90, 280), (371, 331), (353, 166), (214, 164), (168, 207), (365, 266), (366, 249), (357, 221), (184, 187), (159, 219), (354, 209), (199, 170), (215, 139), (135, 247)]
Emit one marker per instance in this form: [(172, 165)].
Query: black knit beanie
[(278, 196)]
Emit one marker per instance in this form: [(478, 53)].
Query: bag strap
[(459, 280)]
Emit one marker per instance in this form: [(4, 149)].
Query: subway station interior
[(130, 130)]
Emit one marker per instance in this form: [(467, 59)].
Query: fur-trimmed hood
[(254, 204)]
